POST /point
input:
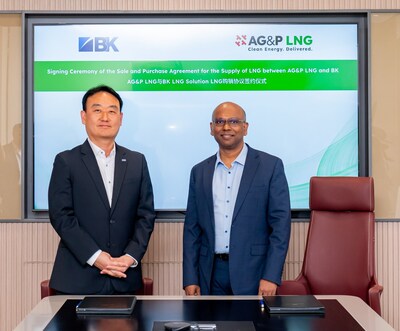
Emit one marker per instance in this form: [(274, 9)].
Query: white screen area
[(298, 84)]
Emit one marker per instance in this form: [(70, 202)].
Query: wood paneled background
[(27, 250), (194, 5)]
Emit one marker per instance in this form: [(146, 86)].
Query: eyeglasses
[(232, 122)]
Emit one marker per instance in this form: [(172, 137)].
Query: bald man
[(237, 225)]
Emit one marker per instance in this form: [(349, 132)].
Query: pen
[(202, 326)]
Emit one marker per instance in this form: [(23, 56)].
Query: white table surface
[(44, 311)]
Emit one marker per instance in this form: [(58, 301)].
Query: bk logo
[(97, 44)]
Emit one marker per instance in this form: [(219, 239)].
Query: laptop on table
[(293, 304)]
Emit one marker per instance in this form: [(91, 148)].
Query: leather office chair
[(147, 289), (339, 258)]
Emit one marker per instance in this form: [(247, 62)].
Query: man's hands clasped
[(113, 266)]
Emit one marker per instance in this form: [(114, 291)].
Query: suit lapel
[(121, 163), (90, 162), (207, 185), (249, 171)]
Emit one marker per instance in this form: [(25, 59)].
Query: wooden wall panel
[(387, 244), (194, 5)]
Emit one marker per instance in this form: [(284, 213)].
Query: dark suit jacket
[(260, 228), (80, 213)]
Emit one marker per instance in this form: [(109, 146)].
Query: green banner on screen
[(238, 75)]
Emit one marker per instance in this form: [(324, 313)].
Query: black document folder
[(108, 305), (293, 304)]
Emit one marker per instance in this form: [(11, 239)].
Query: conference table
[(241, 313)]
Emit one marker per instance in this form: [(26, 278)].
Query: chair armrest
[(293, 287), (374, 294), (147, 288), (45, 289)]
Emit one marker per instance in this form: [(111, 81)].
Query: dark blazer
[(260, 228), (80, 213)]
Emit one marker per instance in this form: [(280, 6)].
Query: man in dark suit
[(101, 205), (237, 224)]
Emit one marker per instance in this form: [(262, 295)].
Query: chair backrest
[(340, 257), (46, 290)]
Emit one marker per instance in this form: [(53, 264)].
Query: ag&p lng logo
[(277, 43)]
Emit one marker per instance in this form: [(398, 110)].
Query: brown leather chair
[(147, 289), (339, 258)]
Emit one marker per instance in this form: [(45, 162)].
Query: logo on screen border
[(241, 40), (98, 44)]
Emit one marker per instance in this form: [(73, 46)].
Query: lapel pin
[(123, 160)]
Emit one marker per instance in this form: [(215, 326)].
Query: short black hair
[(101, 88)]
